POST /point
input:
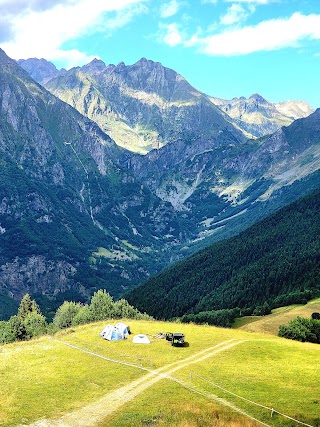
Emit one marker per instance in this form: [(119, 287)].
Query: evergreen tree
[(27, 305)]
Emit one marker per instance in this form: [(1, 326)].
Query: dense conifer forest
[(276, 262)]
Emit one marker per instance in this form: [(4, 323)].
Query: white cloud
[(172, 35), (42, 31), (235, 14), (169, 9), (266, 36)]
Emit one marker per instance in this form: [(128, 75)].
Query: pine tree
[(27, 306)]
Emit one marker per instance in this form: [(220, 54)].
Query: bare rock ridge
[(143, 106), (66, 207), (40, 70), (81, 212), (258, 117), (152, 83)]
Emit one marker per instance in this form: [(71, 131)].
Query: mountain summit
[(78, 212), (141, 106), (258, 117)]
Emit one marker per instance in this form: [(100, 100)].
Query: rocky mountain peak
[(41, 70), (145, 63), (294, 109), (258, 99), (258, 117), (93, 67)]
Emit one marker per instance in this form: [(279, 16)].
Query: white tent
[(123, 328), (105, 330), (141, 339), (113, 334)]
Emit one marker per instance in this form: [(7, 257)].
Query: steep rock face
[(40, 70), (258, 117), (72, 202), (70, 218), (36, 274), (142, 106), (294, 109), (229, 185)]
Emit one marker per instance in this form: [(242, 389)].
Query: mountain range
[(258, 117), (137, 104), (109, 173)]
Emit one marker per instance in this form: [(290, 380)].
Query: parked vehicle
[(176, 338)]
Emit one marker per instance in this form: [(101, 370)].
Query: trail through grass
[(92, 414), (47, 383)]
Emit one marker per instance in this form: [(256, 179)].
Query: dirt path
[(90, 415)]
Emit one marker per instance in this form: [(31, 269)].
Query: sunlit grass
[(169, 404), (270, 324), (45, 378)]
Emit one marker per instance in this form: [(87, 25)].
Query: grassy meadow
[(270, 324), (45, 379)]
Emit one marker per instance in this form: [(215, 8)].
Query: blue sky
[(225, 48)]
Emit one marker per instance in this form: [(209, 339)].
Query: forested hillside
[(274, 262)]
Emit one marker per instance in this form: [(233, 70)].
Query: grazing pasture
[(76, 378)]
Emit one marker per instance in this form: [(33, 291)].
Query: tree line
[(29, 322)]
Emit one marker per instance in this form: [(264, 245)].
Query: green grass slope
[(273, 261), (280, 316), (78, 379)]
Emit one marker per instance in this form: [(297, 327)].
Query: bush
[(65, 314), (83, 316), (35, 325), (123, 309), (101, 306), (6, 333), (301, 329)]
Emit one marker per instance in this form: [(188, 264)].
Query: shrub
[(101, 306), (6, 333), (35, 325), (83, 316), (301, 329), (65, 314)]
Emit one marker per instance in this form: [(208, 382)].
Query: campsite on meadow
[(76, 378)]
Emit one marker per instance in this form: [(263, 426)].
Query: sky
[(225, 48)]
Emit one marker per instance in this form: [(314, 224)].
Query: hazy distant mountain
[(40, 70), (258, 117), (294, 109)]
